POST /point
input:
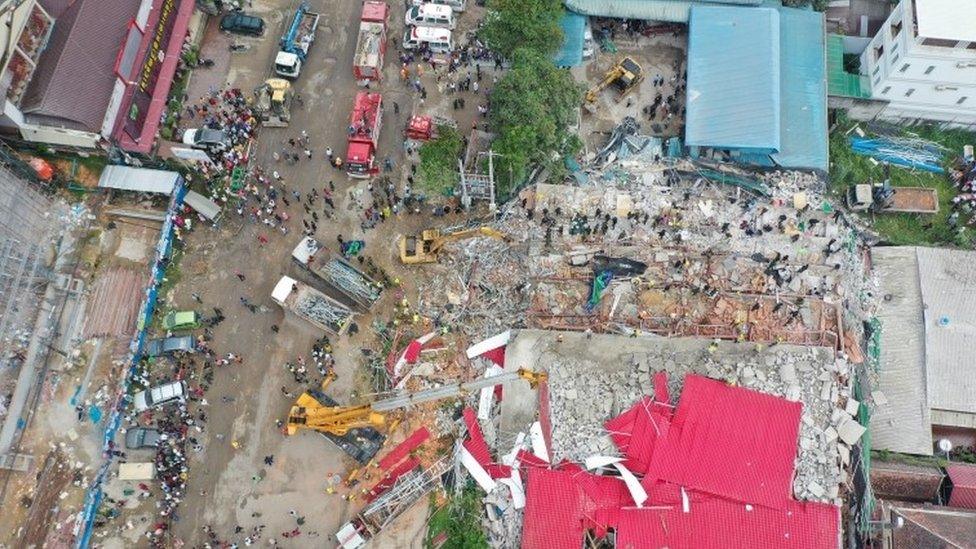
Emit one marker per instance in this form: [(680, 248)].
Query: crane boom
[(439, 393), (309, 413)]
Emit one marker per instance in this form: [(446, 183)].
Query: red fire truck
[(371, 44), (364, 134)]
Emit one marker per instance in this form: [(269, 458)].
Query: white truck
[(296, 42), (311, 305), (337, 273)]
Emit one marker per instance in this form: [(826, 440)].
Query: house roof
[(75, 75), (902, 423), (946, 19), (947, 279), (963, 479), (671, 11), (757, 84), (733, 78), (933, 526)]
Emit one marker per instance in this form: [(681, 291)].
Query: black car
[(239, 22)]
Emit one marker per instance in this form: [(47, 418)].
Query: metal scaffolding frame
[(28, 231)]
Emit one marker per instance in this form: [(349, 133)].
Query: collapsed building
[(690, 271)]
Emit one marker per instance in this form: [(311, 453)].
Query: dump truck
[(370, 50), (363, 135), (337, 273), (296, 42), (883, 198), (423, 127), (311, 305), (273, 103)]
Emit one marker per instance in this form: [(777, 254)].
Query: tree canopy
[(514, 24), (532, 108), (438, 170)]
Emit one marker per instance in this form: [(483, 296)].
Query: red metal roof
[(390, 478), (736, 446), (731, 442), (160, 94), (963, 479), (722, 524), (401, 450), (478, 448)]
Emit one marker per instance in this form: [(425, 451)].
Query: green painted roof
[(840, 82)]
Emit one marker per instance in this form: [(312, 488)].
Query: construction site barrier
[(94, 496)]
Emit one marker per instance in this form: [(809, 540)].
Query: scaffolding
[(407, 490), (28, 230)]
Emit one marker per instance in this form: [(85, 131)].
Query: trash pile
[(963, 177)]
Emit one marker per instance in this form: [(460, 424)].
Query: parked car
[(141, 437), (181, 320), (167, 345), (238, 22), (161, 395), (207, 139)]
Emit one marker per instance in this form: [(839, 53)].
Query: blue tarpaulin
[(571, 52)]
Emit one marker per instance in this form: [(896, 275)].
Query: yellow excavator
[(415, 250), (626, 76), (309, 413)]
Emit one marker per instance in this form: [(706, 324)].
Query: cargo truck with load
[(311, 305), (370, 50), (296, 42), (337, 273)]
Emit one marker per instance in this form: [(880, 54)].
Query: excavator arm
[(425, 247)]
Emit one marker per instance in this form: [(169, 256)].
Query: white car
[(174, 391)]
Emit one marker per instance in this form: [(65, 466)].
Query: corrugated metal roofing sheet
[(733, 97), (203, 205), (571, 52), (963, 479), (947, 279), (731, 442), (144, 180), (671, 11), (903, 424), (803, 90), (403, 449)]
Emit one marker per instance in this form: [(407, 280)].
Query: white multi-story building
[(922, 62)]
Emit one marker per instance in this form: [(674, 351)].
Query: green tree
[(532, 108), (438, 171), (532, 24)]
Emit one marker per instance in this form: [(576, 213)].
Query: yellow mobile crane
[(425, 248), (309, 413), (625, 76)]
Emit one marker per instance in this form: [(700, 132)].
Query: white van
[(431, 15), (437, 40), (456, 5)]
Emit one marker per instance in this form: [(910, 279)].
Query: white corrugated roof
[(946, 19), (948, 282), (903, 424), (127, 178), (203, 205)]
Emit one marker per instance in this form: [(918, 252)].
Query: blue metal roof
[(733, 97), (803, 106), (757, 85), (670, 11), (571, 52)]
